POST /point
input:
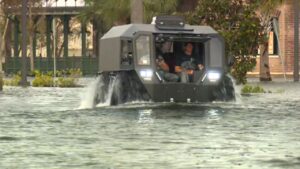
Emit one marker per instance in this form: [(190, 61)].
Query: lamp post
[(24, 44), (296, 41), (54, 47)]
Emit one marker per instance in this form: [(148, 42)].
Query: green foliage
[(240, 68), (14, 81), (238, 23), (43, 80), (252, 89), (76, 73), (111, 12), (66, 78), (159, 7), (66, 82)]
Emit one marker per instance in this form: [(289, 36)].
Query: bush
[(67, 78), (252, 89), (14, 81), (66, 82), (42, 80), (75, 73)]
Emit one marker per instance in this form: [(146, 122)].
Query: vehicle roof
[(130, 29)]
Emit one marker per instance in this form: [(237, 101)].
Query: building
[(281, 58)]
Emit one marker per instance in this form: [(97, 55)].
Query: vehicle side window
[(126, 52), (143, 50)]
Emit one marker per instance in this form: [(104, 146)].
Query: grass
[(247, 89)]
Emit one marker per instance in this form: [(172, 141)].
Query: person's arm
[(162, 64), (178, 69), (200, 66)]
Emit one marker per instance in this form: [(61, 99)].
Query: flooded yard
[(44, 128)]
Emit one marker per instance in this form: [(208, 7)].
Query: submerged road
[(43, 128)]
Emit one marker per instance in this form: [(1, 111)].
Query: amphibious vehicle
[(129, 69)]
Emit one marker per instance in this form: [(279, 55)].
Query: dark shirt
[(184, 58)]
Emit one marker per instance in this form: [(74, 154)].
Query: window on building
[(273, 44)]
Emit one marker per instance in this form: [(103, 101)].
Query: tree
[(159, 7), (32, 25), (112, 12), (238, 23), (104, 14), (2, 50), (266, 13), (3, 30), (116, 12), (137, 11)]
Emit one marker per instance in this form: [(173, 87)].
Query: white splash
[(237, 90), (111, 87), (88, 97)]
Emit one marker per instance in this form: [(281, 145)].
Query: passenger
[(187, 63), (163, 68)]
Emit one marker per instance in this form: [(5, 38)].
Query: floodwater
[(43, 128)]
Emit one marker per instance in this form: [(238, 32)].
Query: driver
[(187, 63)]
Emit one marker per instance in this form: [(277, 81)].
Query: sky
[(67, 3)]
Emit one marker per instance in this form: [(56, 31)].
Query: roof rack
[(170, 23)]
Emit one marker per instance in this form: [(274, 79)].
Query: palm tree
[(266, 11), (112, 12), (115, 12), (4, 26), (137, 11), (106, 13), (159, 7)]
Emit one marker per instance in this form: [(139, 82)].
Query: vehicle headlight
[(213, 76), (146, 74)]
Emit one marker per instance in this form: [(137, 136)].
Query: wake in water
[(96, 95), (88, 98), (120, 88)]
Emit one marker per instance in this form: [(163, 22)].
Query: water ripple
[(41, 128)]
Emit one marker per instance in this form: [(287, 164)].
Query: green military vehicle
[(129, 57)]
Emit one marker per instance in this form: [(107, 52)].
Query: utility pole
[(24, 43), (296, 41), (137, 12)]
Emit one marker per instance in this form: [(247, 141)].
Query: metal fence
[(88, 65)]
